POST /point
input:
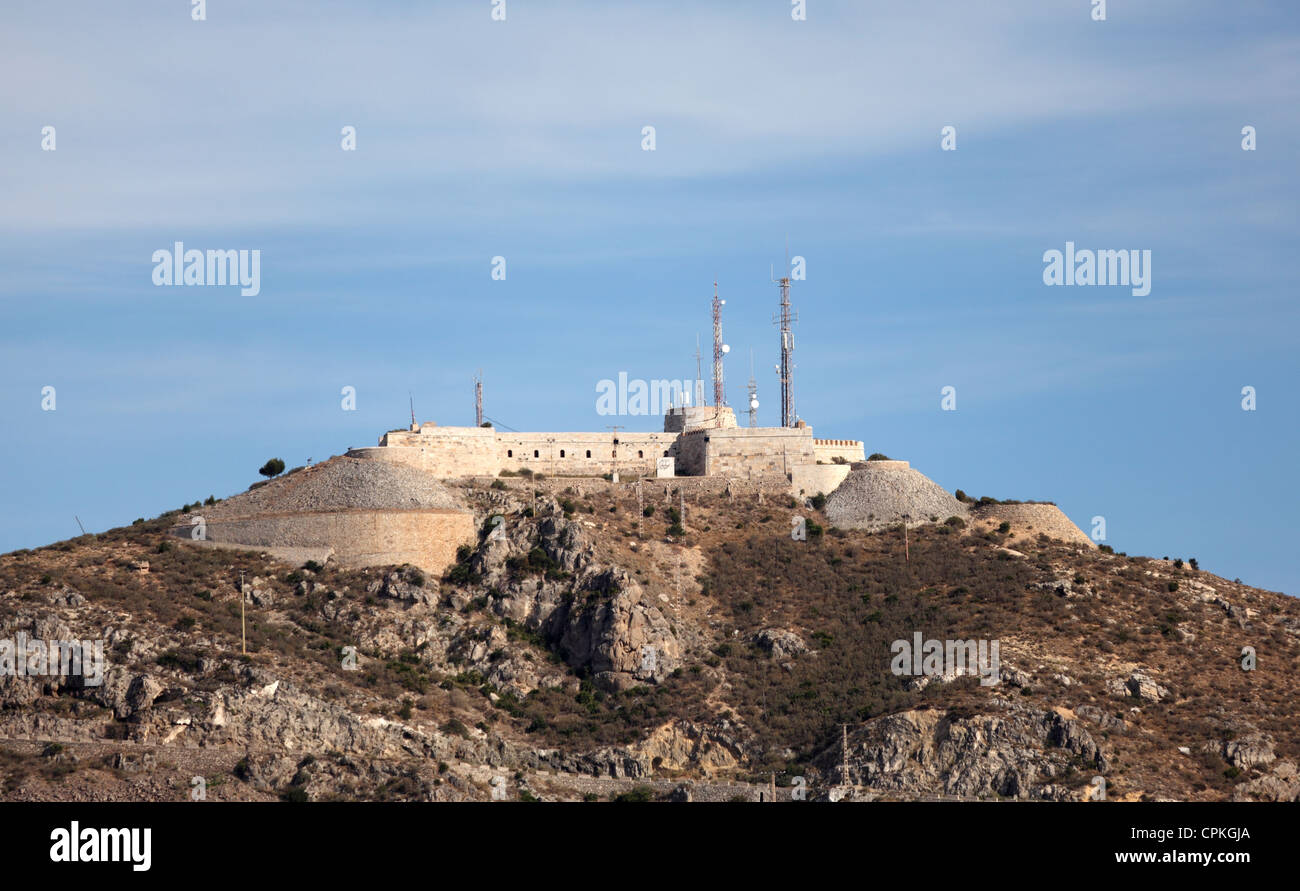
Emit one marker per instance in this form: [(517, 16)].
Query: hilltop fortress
[(696, 441), (414, 497)]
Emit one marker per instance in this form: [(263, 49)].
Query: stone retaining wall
[(355, 538)]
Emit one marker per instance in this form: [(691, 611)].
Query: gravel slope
[(342, 483), (878, 497)]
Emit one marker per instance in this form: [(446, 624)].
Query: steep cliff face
[(584, 645)]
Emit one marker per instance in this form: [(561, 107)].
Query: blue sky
[(522, 139)]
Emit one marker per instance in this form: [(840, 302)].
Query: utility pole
[(844, 754), (907, 558), (478, 398), (412, 398)]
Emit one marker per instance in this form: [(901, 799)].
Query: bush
[(637, 793), (877, 456), (1004, 527), (1173, 586), (649, 511), (1191, 561), (272, 468), (961, 496), (818, 501), (294, 793)]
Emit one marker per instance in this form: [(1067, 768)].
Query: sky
[(524, 139)]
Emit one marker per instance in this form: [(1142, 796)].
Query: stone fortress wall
[(356, 538), (701, 440)]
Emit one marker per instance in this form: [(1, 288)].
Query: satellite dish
[(722, 303), (726, 348), (753, 403)]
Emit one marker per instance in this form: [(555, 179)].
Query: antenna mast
[(478, 398), (412, 398), (753, 393), (720, 349), (785, 370)]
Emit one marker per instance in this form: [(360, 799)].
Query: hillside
[(580, 650)]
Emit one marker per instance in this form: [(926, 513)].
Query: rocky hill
[(591, 645)]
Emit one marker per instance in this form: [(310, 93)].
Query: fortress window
[(588, 453), (535, 455), (510, 453), (665, 454), (561, 453), (640, 454)]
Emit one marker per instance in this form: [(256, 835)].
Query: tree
[(271, 468)]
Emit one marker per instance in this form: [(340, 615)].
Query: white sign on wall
[(665, 467)]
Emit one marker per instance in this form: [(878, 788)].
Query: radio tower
[(478, 398), (786, 369), (720, 349), (753, 393)]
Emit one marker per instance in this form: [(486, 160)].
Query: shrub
[(649, 511), (1004, 527), (637, 793), (1191, 561), (961, 496), (1173, 586), (497, 484), (877, 456), (818, 501), (272, 468)]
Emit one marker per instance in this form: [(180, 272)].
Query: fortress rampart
[(716, 447), (426, 538)]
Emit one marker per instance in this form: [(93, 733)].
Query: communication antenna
[(720, 349), (478, 398), (412, 398), (785, 371), (753, 393)]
